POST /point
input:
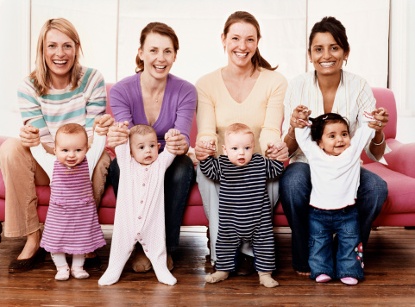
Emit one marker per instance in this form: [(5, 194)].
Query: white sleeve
[(303, 137), (95, 151), (44, 159)]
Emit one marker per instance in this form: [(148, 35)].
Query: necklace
[(147, 92)]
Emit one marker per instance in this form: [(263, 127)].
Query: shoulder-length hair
[(40, 75)]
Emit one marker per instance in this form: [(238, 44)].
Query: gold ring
[(380, 124), (295, 120)]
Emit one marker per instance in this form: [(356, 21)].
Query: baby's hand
[(172, 132), (210, 145), (278, 151), (205, 148), (103, 123), (29, 136), (118, 134)]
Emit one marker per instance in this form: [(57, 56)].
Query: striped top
[(71, 185), (59, 107), (71, 224), (242, 189)]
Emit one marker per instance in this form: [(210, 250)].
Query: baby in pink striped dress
[(139, 217), (71, 225)]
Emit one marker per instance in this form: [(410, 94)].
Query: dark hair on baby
[(320, 122)]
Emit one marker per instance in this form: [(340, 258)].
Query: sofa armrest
[(2, 139), (401, 158)]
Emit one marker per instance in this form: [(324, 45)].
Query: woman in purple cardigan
[(157, 98)]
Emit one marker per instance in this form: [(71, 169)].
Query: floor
[(389, 279)]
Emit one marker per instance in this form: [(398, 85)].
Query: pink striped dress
[(71, 224)]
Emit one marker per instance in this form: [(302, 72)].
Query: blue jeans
[(295, 189), (323, 224), (178, 180)]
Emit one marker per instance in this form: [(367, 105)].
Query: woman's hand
[(381, 118), (29, 136), (103, 123), (177, 144), (299, 117), (278, 151), (204, 149), (117, 134)]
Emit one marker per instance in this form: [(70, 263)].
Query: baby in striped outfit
[(71, 225), (245, 211)]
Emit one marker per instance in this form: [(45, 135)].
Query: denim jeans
[(178, 180), (295, 189), (323, 224)]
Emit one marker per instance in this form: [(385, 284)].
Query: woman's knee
[(10, 149), (296, 177), (181, 169), (372, 183)]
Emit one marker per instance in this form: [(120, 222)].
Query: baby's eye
[(247, 148), (234, 148), (152, 146), (141, 147), (345, 134)]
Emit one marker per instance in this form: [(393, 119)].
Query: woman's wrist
[(291, 130), (381, 142)]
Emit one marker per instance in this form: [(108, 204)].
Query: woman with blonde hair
[(58, 91)]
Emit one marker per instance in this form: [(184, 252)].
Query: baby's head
[(143, 144), (239, 144), (71, 144), (331, 132)]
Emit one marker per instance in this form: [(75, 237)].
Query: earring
[(345, 61)]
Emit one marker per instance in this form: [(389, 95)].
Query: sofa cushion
[(401, 189)]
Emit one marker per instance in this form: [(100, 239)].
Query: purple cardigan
[(177, 110)]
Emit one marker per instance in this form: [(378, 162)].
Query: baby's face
[(144, 148), (70, 149), (335, 139), (239, 147)]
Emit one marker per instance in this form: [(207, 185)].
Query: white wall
[(110, 30), (402, 51)]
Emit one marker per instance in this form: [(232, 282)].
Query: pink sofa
[(398, 210)]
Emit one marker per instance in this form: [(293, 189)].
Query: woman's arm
[(205, 112), (274, 113), (31, 112), (186, 106), (96, 98)]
